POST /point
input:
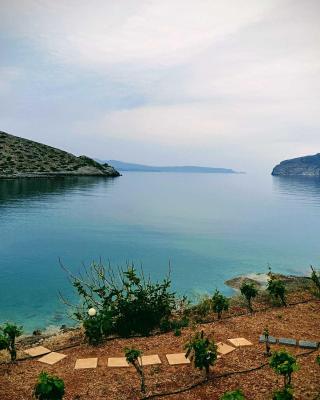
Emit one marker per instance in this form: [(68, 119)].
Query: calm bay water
[(210, 226)]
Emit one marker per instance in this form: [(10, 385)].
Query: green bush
[(318, 359), (220, 303), (132, 356), (202, 351), (234, 395), (277, 289), (49, 387), (284, 364), (126, 303), (8, 335), (315, 276), (284, 394), (249, 291)]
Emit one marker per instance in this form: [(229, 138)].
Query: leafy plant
[(277, 289), (318, 359), (266, 340), (284, 394), (132, 356), (49, 387), (315, 276), (220, 303), (249, 291), (8, 334), (233, 395), (202, 309), (284, 364), (202, 351), (126, 302)]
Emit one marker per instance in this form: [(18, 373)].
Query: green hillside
[(25, 158)]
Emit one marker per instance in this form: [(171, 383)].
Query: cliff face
[(25, 158), (301, 166)]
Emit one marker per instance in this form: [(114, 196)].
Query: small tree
[(8, 335), (202, 351), (234, 395), (277, 289), (48, 387), (132, 356), (284, 394), (284, 364), (315, 276), (220, 303), (267, 343), (249, 291)]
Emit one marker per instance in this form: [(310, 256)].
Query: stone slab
[(177, 359), (288, 342), (37, 351), (52, 358), (272, 339), (149, 360), (239, 342), (223, 348), (117, 362), (306, 344), (84, 363)]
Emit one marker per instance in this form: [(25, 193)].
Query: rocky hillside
[(24, 158), (301, 166)]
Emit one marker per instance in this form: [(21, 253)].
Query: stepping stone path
[(52, 358), (117, 362), (272, 340), (288, 342), (305, 344), (37, 351), (239, 342), (223, 348), (177, 359), (84, 363), (149, 360)]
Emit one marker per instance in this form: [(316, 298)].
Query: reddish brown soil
[(300, 321)]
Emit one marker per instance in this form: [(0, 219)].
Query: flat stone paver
[(306, 344), (37, 351), (149, 360), (272, 339), (84, 363), (177, 359), (223, 348), (117, 362), (239, 342), (288, 342), (52, 358)]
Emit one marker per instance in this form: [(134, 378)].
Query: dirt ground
[(301, 321)]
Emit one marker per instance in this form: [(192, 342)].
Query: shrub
[(318, 359), (284, 394), (127, 304), (49, 387), (315, 276), (234, 395), (202, 309), (220, 303), (8, 335), (284, 364), (202, 351), (277, 289), (249, 291), (132, 355)]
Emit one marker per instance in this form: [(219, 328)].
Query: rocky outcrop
[(23, 158), (301, 166)]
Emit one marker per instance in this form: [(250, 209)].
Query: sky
[(228, 83)]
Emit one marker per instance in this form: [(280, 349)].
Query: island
[(125, 166), (301, 166), (24, 158)]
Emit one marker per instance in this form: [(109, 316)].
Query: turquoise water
[(209, 226)]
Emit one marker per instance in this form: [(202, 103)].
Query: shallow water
[(209, 226)]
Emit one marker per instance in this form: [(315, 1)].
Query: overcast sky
[(231, 83)]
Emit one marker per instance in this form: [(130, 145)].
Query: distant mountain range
[(124, 166)]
